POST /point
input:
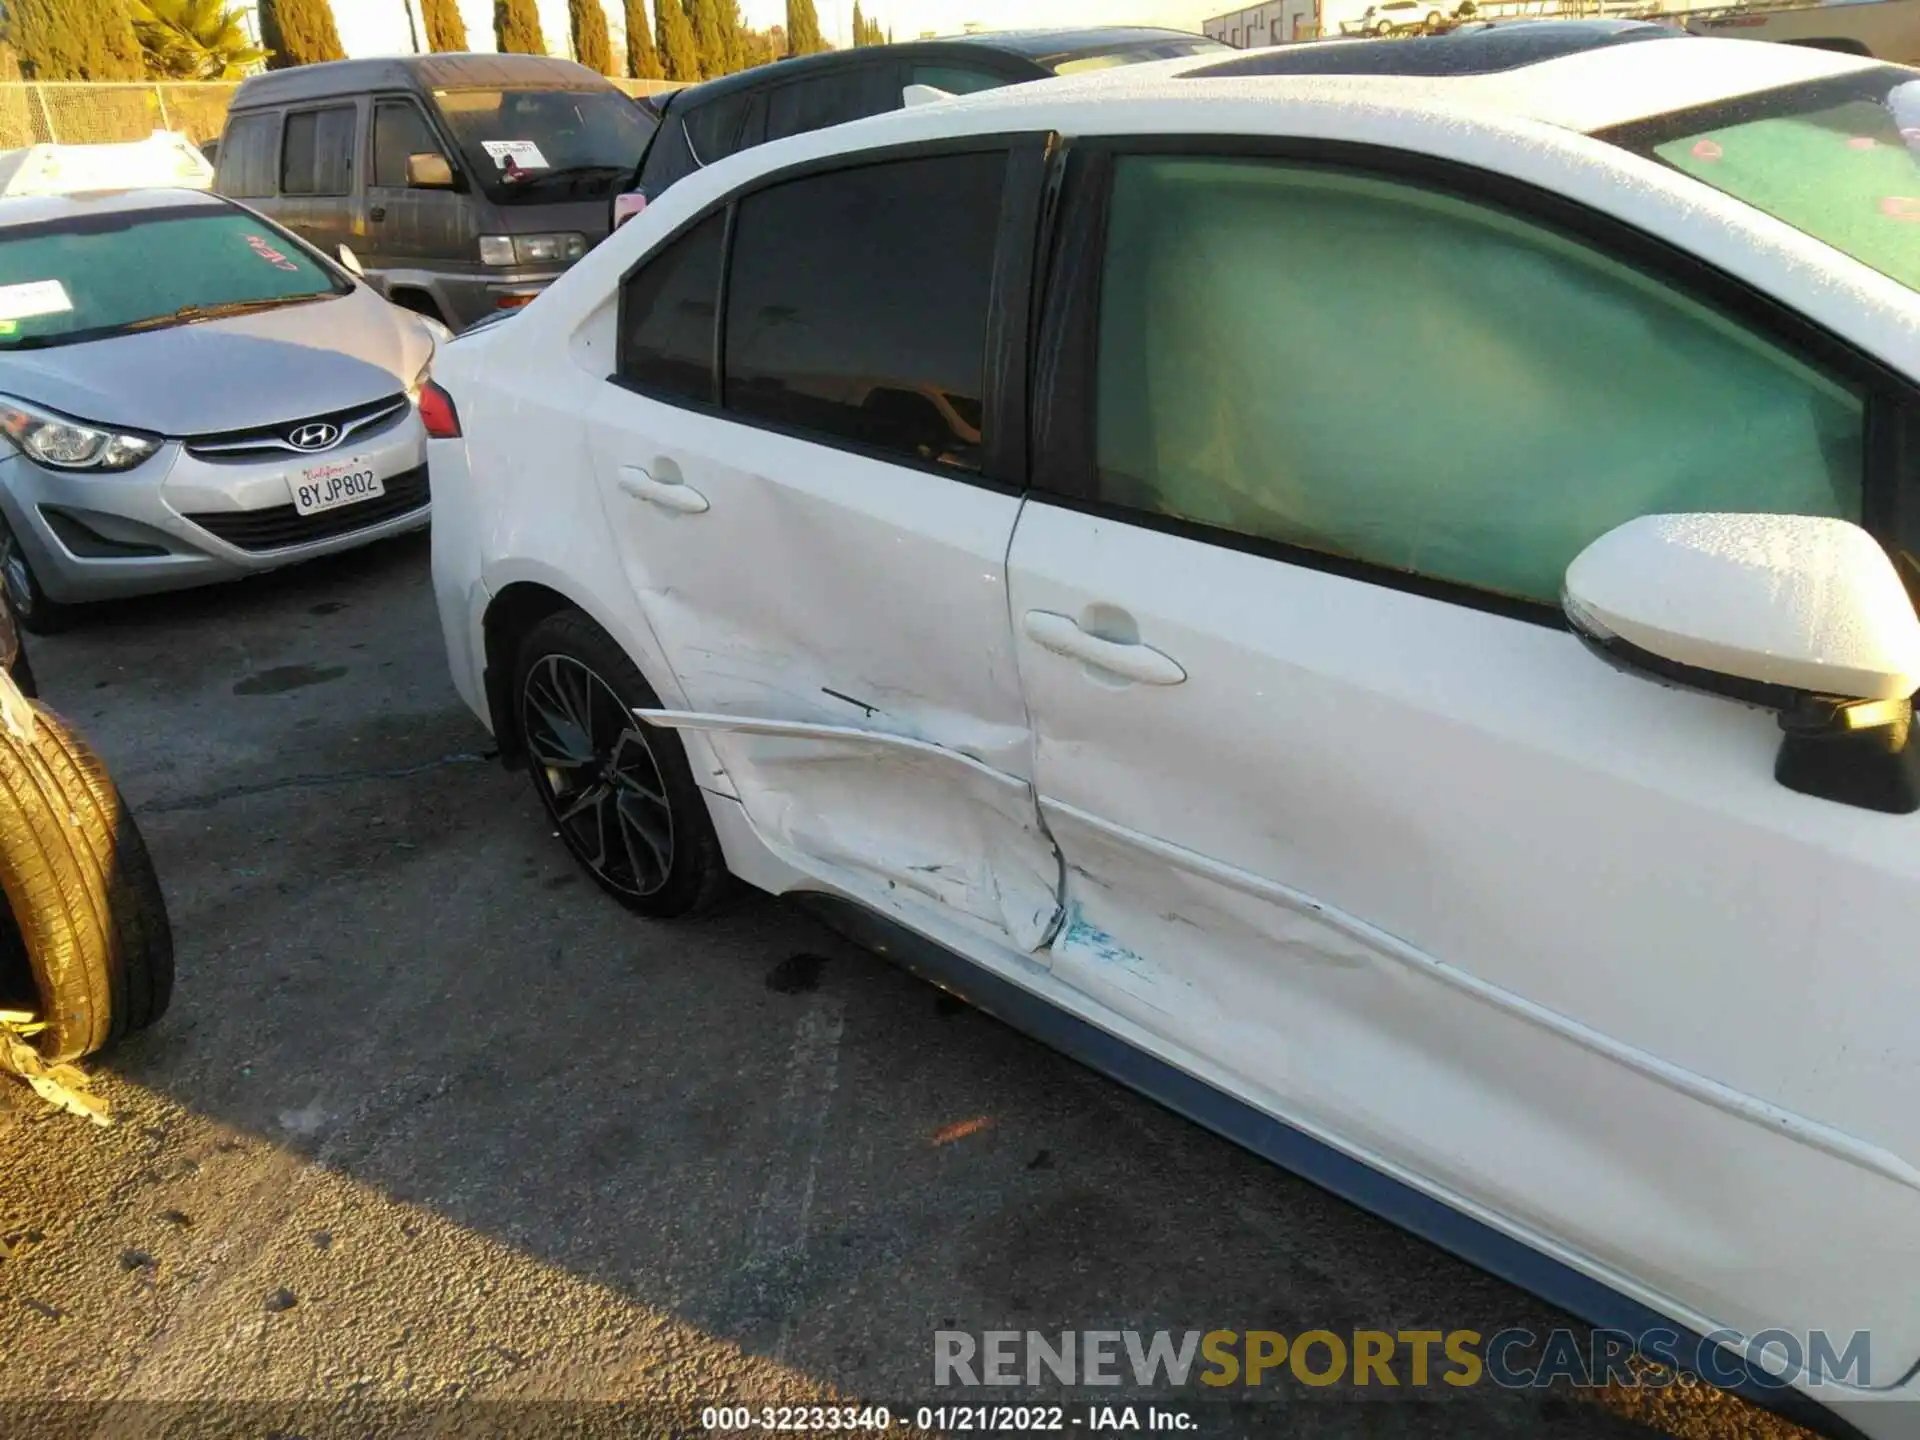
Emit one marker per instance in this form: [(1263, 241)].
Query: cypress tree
[(446, 30), (859, 25), (679, 56), (803, 29), (709, 36), (643, 56), (516, 28), (299, 32), (74, 39), (591, 47)]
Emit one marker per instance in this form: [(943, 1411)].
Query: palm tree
[(194, 39)]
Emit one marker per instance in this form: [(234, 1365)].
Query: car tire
[(594, 766), (82, 893), (32, 608)]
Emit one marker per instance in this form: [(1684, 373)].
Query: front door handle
[(378, 212), (667, 495), (1063, 635)]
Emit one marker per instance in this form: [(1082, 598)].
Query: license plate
[(328, 487)]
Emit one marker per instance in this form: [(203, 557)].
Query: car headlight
[(62, 444), (532, 249)]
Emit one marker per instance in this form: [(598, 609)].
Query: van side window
[(316, 155), (399, 130), (246, 156)]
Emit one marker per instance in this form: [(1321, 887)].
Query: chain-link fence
[(77, 112), (81, 113)]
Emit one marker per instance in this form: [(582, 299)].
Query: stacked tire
[(87, 910)]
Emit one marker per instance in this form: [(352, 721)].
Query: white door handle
[(1063, 635), (669, 496)]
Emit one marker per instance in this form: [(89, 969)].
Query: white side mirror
[(1790, 602), (912, 95), (351, 261)]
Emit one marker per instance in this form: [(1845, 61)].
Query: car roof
[(1595, 87), (1038, 49), (1056, 45), (33, 209), (1473, 49), (413, 72)]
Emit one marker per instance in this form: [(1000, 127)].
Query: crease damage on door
[(907, 816)]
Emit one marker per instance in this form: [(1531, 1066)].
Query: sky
[(379, 27)]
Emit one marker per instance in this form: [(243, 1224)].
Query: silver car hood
[(233, 374)]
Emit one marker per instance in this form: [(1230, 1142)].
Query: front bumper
[(180, 520)]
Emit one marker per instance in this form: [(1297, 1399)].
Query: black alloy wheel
[(599, 777), (619, 792)]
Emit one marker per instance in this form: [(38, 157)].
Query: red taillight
[(516, 300), (437, 413)]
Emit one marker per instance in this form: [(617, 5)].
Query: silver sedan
[(191, 394)]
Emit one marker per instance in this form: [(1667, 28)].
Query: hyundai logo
[(315, 436)]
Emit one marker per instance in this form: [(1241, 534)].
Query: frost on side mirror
[(1800, 614)]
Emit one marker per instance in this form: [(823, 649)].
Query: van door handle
[(667, 495), (378, 212), (1063, 635)]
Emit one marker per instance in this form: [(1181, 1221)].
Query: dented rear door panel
[(839, 627)]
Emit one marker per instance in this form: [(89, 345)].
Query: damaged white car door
[(1429, 879), (808, 528)]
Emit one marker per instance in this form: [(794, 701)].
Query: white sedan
[(1498, 806)]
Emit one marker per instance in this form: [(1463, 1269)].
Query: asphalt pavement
[(438, 1139)]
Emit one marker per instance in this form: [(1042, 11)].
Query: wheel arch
[(514, 609)]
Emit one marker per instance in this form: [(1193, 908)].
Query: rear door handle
[(378, 212), (668, 496), (1063, 635)]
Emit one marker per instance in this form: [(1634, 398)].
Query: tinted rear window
[(666, 315), (857, 305), (832, 99)]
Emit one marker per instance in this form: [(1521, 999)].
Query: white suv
[(982, 515)]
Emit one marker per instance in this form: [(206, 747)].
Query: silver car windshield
[(87, 276)]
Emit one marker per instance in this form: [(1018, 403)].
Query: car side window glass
[(1374, 370), (834, 99), (399, 130), (667, 316), (955, 80), (669, 158), (857, 305), (316, 153), (246, 154), (713, 129)]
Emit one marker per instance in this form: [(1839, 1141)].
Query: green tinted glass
[(1377, 371), (1837, 160), (98, 273)]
